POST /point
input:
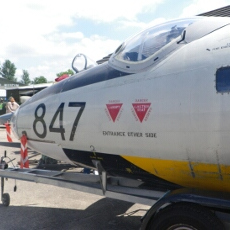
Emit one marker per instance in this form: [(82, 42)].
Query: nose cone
[(10, 118), (13, 123), (5, 118)]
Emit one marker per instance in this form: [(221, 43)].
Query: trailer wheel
[(185, 216), (6, 199)]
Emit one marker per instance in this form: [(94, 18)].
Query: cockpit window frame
[(142, 38), (197, 27), (145, 49)]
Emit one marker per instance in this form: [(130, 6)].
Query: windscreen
[(148, 42)]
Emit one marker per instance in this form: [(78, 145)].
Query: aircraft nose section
[(5, 118), (13, 123), (10, 118)]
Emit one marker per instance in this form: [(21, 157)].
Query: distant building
[(21, 93), (5, 84)]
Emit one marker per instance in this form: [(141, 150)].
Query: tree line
[(8, 70)]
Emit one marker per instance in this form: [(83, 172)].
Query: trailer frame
[(120, 188)]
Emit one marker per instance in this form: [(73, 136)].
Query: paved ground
[(38, 206)]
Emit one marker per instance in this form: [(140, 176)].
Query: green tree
[(69, 72), (8, 70), (39, 80), (25, 78)]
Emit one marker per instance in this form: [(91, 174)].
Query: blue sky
[(43, 36)]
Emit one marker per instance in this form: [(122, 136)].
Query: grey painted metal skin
[(5, 118), (189, 119)]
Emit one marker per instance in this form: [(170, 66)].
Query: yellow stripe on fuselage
[(186, 173)]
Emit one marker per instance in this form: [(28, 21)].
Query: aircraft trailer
[(204, 206)]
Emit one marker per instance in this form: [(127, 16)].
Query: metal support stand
[(112, 187), (5, 197), (2, 186), (102, 175)]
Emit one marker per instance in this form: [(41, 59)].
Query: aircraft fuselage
[(168, 123)]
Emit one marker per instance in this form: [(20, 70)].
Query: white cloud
[(31, 31), (57, 37), (32, 34), (58, 60), (107, 11), (41, 17)]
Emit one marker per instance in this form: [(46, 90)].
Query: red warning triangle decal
[(114, 109), (141, 109)]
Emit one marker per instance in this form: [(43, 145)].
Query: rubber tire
[(187, 215), (6, 199)]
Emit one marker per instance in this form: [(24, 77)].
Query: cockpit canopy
[(152, 45), (147, 43)]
